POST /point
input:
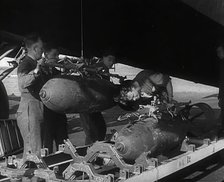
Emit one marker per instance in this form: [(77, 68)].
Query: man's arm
[(169, 88), (27, 75)]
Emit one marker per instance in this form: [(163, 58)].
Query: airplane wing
[(10, 44), (212, 9), (168, 36)]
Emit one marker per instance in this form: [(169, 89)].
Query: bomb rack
[(101, 163)]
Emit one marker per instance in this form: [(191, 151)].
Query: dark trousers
[(94, 127), (55, 129)]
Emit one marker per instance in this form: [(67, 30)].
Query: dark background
[(166, 36)]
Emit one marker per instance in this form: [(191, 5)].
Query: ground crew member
[(55, 124), (105, 64), (94, 124), (146, 84), (30, 111)]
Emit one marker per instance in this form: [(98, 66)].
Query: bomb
[(151, 136), (74, 94), (162, 136)]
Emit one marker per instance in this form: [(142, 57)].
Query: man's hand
[(145, 95), (37, 69), (147, 109)]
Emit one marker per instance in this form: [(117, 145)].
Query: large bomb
[(74, 94), (151, 136), (161, 136)]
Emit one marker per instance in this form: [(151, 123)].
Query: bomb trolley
[(83, 168), (102, 162)]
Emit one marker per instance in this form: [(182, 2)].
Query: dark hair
[(31, 39)]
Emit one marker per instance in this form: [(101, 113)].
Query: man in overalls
[(30, 111)]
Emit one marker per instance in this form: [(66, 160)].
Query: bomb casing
[(155, 137), (162, 135), (74, 94)]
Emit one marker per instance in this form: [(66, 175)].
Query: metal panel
[(177, 163)]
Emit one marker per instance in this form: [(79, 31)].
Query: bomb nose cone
[(43, 95), (120, 147)]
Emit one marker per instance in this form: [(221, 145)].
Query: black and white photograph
[(112, 90)]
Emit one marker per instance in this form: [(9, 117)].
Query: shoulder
[(162, 79), (143, 74), (159, 79), (166, 78), (26, 64), (26, 60)]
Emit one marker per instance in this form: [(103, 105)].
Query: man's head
[(108, 58), (220, 52), (51, 52), (34, 46)]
